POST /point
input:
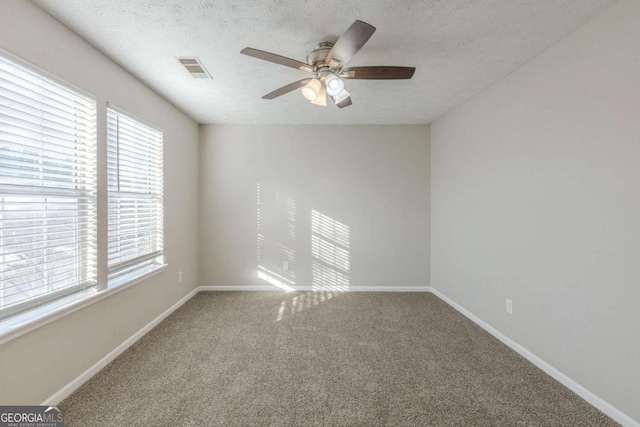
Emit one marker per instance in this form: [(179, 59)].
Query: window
[(135, 231), (47, 188)]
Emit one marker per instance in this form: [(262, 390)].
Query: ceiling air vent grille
[(195, 68)]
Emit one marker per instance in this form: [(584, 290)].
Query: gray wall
[(371, 180), (38, 364), (536, 197)]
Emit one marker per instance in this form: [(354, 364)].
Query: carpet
[(323, 359)]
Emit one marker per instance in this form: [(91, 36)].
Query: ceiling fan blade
[(350, 42), (276, 59), (378, 73), (286, 89), (342, 100)]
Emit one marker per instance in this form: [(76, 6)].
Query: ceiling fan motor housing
[(319, 54)]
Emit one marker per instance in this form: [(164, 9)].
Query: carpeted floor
[(323, 359)]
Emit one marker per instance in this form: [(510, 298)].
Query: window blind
[(47, 188), (135, 182)]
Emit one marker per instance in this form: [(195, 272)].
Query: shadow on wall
[(276, 231)]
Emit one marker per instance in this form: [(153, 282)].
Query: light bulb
[(311, 90), (334, 84)]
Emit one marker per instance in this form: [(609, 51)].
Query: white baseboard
[(65, 391), (594, 400), (312, 288), (219, 288)]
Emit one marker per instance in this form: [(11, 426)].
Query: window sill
[(135, 276), (23, 323)]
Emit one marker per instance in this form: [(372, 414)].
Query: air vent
[(195, 68)]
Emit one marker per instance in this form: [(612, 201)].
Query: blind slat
[(133, 151), (35, 114), (60, 283), (40, 141), (57, 272), (28, 125), (38, 87), (70, 255)]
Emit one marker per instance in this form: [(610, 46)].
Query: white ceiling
[(459, 48)]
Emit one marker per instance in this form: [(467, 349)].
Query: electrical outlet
[(180, 276), (286, 265), (509, 306)]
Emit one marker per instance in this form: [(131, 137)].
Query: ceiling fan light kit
[(316, 90), (312, 89), (335, 85), (326, 63), (321, 100)]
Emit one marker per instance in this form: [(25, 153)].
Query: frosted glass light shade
[(334, 84), (311, 90), (322, 97)]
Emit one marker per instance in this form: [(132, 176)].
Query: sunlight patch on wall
[(275, 279), (276, 235), (330, 229), (331, 263)]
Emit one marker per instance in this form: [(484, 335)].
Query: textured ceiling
[(459, 47)]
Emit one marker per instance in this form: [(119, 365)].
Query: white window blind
[(47, 188), (135, 231)]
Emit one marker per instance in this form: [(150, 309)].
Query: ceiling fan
[(326, 65)]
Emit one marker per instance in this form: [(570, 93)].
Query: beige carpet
[(323, 359)]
